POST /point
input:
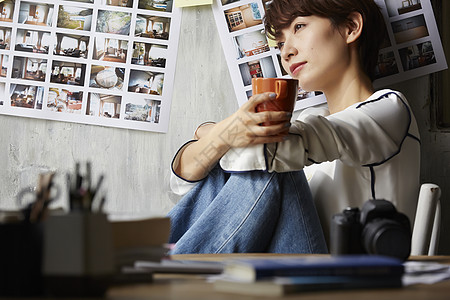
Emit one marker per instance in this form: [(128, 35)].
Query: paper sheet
[(89, 61), (414, 47), (187, 3), (425, 272)]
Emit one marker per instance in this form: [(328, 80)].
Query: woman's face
[(314, 52)]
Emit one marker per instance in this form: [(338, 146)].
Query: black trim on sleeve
[(310, 159), (297, 134), (406, 134), (173, 160), (266, 160), (372, 182), (415, 138), (313, 161), (274, 154)]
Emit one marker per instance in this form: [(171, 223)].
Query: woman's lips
[(295, 68)]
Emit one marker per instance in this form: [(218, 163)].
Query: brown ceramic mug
[(286, 90)]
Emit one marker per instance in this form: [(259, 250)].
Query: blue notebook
[(277, 286), (253, 269)]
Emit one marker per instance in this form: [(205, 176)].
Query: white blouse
[(369, 150)]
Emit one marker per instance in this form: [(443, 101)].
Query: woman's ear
[(354, 26)]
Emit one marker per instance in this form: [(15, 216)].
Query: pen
[(39, 207), (78, 176), (88, 176), (102, 203), (82, 192), (99, 184)]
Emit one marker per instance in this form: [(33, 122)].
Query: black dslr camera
[(377, 229)]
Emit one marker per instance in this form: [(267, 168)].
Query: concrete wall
[(136, 164)]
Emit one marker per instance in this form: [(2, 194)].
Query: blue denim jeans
[(244, 212)]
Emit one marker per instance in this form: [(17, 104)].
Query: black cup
[(21, 259)]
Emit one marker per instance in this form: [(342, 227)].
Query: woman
[(244, 184)]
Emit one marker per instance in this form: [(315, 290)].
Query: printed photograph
[(387, 40), (34, 13), (106, 77), (102, 105), (152, 27), (147, 54), (417, 56), (65, 72), (110, 49), (265, 3), (84, 1), (410, 29), (7, 10), (64, 100), (146, 82), (33, 41), (115, 22), (225, 2), (243, 16), (27, 96), (30, 68), (4, 59), (71, 45), (302, 94), (122, 3), (159, 5), (5, 38), (147, 111), (77, 18), (2, 92), (386, 66), (400, 7), (251, 43), (257, 68), (283, 71)]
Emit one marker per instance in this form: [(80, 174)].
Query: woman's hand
[(243, 128)]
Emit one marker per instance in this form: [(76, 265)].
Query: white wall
[(136, 163)]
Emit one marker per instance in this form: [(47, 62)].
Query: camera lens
[(387, 237)]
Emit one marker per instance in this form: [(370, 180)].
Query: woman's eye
[(298, 27), (280, 45)]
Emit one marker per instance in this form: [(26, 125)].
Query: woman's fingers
[(269, 139), (271, 130), (248, 127), (260, 98), (264, 116), (272, 117)]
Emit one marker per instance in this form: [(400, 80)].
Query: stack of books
[(138, 239), (275, 276)]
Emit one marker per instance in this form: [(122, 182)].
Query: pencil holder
[(78, 254), (20, 259)]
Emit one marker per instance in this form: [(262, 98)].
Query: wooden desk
[(192, 287)]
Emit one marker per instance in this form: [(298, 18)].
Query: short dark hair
[(281, 13)]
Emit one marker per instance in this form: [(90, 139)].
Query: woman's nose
[(288, 50)]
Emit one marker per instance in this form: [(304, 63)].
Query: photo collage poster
[(100, 62), (414, 46), (413, 49)]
